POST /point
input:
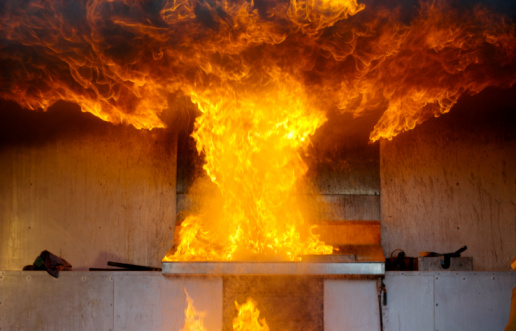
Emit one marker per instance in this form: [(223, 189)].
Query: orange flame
[(193, 318), (120, 60), (441, 56), (251, 137), (247, 319)]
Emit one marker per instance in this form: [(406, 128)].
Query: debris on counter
[(125, 267), (51, 263)]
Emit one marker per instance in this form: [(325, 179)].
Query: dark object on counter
[(51, 263), (126, 267), (400, 262), (445, 263)]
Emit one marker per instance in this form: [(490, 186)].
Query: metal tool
[(445, 263)]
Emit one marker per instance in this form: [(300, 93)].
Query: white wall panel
[(75, 301), (351, 305), (447, 301), (422, 301), (410, 302), (155, 302), (473, 301)]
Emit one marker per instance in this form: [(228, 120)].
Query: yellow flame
[(193, 318), (251, 139), (247, 318)]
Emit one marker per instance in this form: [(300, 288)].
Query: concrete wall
[(84, 189), (452, 182)]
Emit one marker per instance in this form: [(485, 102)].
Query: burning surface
[(263, 74)]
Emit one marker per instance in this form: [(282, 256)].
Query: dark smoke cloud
[(122, 59)]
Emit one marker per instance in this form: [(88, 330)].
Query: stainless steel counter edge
[(273, 268)]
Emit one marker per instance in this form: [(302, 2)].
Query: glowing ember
[(193, 318), (247, 319), (263, 74)]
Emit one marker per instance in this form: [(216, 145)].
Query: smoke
[(121, 60)]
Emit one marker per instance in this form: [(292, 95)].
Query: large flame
[(263, 74), (251, 136)]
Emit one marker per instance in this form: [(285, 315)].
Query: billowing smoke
[(122, 59)]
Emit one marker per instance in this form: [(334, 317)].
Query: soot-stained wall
[(452, 182), (86, 190)]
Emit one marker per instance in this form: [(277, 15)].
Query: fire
[(193, 318), (247, 319), (120, 60), (251, 136), (263, 74)]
